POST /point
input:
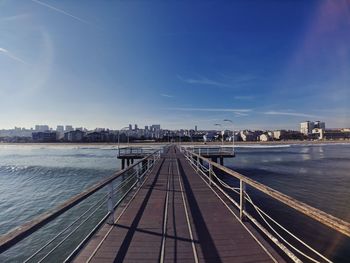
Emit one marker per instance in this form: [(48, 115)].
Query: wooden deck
[(175, 217)]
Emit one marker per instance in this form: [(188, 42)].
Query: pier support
[(222, 160), (128, 162), (123, 164)]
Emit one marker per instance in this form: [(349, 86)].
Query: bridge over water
[(171, 206)]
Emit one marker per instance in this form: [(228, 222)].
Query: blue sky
[(262, 64)]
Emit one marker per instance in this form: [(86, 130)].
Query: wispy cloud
[(295, 114), (213, 110), (203, 81), (240, 78), (62, 11), (10, 55), (15, 17), (240, 114), (166, 95)]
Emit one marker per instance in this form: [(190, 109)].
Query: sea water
[(36, 178)]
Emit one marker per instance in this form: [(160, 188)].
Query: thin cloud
[(213, 110), (203, 81), (10, 55), (15, 17), (61, 11), (240, 78), (295, 114), (166, 95), (240, 114)]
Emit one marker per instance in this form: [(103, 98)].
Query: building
[(306, 127), (247, 136), (60, 128), (278, 135), (155, 127), (265, 137), (156, 131), (41, 128), (74, 136), (337, 134), (69, 128), (47, 136), (319, 125), (318, 133)]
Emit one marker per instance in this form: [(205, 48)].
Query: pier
[(175, 217), (171, 206), (129, 154)]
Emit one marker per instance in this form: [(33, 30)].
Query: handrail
[(320, 216), (21, 232)]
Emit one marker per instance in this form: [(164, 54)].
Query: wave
[(34, 170), (322, 144), (261, 146)]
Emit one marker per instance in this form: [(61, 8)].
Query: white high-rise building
[(306, 127)]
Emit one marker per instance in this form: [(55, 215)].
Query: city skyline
[(264, 66), (224, 124)]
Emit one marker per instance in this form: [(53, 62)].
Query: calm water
[(318, 175), (36, 178)]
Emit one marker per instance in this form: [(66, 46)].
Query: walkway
[(174, 217)]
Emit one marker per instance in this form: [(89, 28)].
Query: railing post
[(198, 159), (242, 200), (210, 174), (139, 172), (110, 204)]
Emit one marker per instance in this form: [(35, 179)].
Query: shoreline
[(289, 142)]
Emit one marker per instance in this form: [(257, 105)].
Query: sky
[(260, 64)]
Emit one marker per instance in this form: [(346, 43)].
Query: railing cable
[(262, 214)]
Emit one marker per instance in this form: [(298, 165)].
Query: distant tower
[(130, 127), (195, 128)]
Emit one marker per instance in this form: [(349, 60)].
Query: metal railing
[(205, 167), (131, 177), (135, 151), (211, 150)]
